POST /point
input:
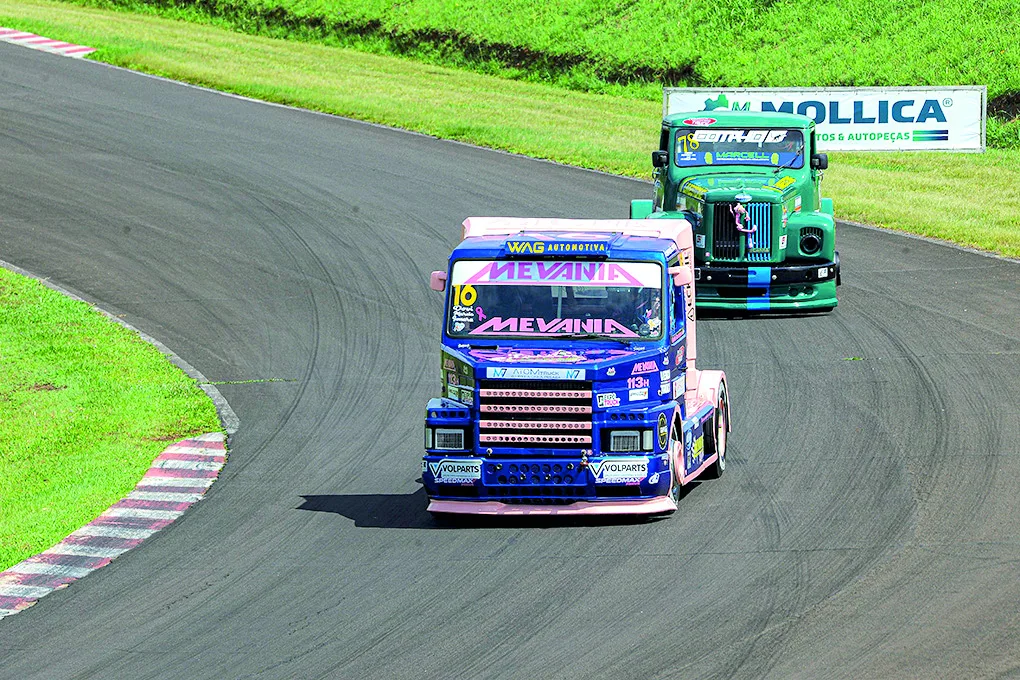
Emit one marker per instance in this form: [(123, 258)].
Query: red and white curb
[(38, 42), (178, 477)]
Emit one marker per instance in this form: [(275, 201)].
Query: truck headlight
[(810, 240), (428, 437), (646, 441), (449, 439), (624, 440)]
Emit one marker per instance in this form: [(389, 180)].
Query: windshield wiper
[(587, 336), (796, 155)]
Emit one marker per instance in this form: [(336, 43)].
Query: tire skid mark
[(929, 469), (759, 651), (304, 380)]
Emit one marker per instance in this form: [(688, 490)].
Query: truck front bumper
[(767, 288), (652, 506), (637, 483)]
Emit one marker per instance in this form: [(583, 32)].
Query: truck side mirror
[(820, 161), (681, 276), (660, 159), (437, 281)]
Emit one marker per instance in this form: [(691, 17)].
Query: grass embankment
[(629, 48), (85, 406), (970, 199)]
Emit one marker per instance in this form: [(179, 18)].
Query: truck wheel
[(674, 481), (717, 440), (674, 478)]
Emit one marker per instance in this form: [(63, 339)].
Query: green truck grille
[(731, 244)]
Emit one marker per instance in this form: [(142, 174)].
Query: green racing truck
[(750, 184)]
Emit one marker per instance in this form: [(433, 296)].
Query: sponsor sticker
[(644, 367), (456, 471), (699, 240), (638, 395), (699, 121), (696, 451), (678, 387), (823, 272), (524, 373), (664, 375), (619, 470), (663, 430), (783, 238), (608, 400)]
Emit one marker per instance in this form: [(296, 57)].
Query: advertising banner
[(860, 118)]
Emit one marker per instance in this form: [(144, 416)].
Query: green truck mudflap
[(768, 289)]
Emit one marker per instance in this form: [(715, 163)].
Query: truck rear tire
[(674, 481), (718, 436)]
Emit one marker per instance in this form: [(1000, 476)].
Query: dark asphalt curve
[(867, 526)]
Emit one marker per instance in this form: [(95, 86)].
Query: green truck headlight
[(810, 241)]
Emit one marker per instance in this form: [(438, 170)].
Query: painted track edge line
[(228, 418), (44, 44), (115, 531)]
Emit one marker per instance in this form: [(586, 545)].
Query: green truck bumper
[(786, 288)]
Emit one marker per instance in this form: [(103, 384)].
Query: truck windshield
[(739, 146), (614, 300)]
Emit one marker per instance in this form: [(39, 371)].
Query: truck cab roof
[(585, 245), (727, 118)]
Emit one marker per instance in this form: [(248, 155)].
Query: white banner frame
[(952, 118)]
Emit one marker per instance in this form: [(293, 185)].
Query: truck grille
[(535, 413), (727, 239)]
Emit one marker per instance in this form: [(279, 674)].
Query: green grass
[(970, 199), (85, 407), (723, 43), (631, 48)]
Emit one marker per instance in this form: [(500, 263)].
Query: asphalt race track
[(866, 527)]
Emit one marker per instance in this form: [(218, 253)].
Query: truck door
[(677, 335)]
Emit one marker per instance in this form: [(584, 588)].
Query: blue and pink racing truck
[(568, 371)]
